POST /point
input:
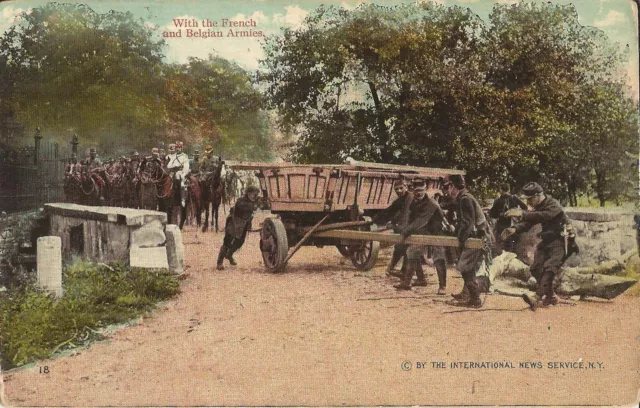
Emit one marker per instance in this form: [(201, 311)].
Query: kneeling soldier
[(553, 248), (425, 217), (237, 225)]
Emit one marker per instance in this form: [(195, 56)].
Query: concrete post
[(49, 259), (175, 249)]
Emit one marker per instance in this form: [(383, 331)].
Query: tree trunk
[(599, 187), (383, 132)]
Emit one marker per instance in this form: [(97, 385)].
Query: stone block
[(175, 249), (152, 258), (49, 261), (593, 215), (149, 235)]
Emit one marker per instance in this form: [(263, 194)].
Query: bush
[(34, 325)]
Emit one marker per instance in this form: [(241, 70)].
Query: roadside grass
[(35, 325)]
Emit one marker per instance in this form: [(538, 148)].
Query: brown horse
[(168, 193), (213, 191), (81, 188), (119, 189)]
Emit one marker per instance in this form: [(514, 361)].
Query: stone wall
[(18, 235), (601, 234), (107, 234)]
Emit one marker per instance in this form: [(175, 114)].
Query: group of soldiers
[(457, 212), (135, 167)]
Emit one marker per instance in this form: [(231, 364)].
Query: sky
[(616, 18)]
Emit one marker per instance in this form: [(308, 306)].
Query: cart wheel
[(274, 244), (364, 256), (344, 250)]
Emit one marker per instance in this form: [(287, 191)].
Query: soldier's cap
[(171, 147), (121, 157), (92, 150), (135, 153), (457, 181), (419, 184), (155, 150), (208, 149), (179, 144), (400, 182), (253, 189), (531, 189), (196, 152)]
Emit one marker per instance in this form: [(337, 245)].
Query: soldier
[(96, 169), (553, 248), (501, 205), (398, 214), (73, 167), (471, 224), (425, 217), (194, 163), (178, 163), (237, 225)]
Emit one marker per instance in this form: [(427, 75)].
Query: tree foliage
[(431, 85), (102, 76)]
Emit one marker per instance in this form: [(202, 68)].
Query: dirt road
[(325, 334)]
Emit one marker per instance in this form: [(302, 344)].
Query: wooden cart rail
[(434, 240), (355, 165)]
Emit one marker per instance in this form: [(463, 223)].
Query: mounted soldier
[(178, 165), (97, 171)]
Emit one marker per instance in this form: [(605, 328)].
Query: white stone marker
[(175, 249), (49, 258)]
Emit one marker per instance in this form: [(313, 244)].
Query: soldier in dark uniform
[(398, 214), (96, 169), (194, 163), (471, 224), (425, 217), (237, 225), (501, 205), (551, 251)]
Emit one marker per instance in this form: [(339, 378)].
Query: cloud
[(8, 16), (294, 17), (612, 18), (467, 1)]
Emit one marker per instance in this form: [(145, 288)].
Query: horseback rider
[(95, 167), (178, 164)]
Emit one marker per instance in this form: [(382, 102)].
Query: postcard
[(319, 203)]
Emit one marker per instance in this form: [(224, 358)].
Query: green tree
[(214, 101), (75, 69)]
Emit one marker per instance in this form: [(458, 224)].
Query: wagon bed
[(331, 204)]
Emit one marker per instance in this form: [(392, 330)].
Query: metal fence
[(31, 176)]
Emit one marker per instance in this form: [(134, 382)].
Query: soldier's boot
[(547, 287), (463, 295), (405, 282), (221, 256), (420, 278), (229, 256), (395, 258), (474, 294), (441, 269)]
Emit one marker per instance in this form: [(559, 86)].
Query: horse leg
[(215, 216), (205, 227), (183, 215)]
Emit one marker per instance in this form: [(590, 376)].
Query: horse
[(212, 187), (81, 188), (168, 194), (147, 192), (120, 189)]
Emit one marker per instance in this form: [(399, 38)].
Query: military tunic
[(239, 223), (550, 252)]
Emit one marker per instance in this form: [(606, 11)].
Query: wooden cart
[(330, 205)]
